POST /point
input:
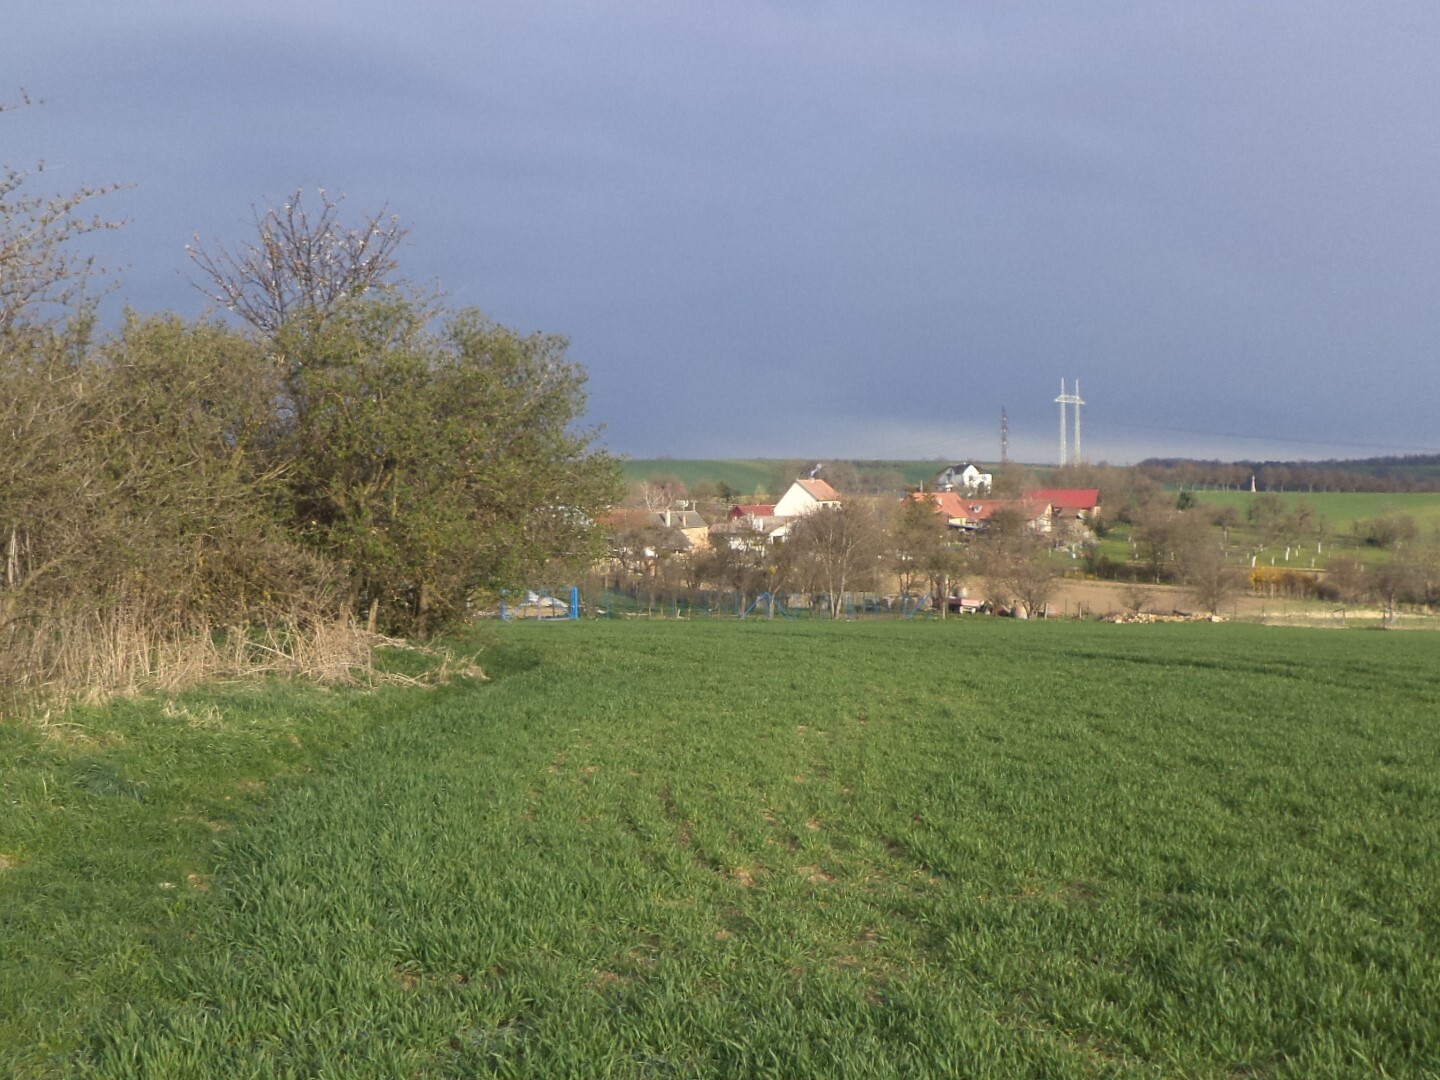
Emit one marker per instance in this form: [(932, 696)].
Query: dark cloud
[(781, 228)]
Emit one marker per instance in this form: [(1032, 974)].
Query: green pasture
[(1343, 509), (963, 848)]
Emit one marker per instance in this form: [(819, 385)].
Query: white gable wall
[(797, 502)]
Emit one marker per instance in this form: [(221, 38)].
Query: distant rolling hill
[(749, 475), (741, 474)]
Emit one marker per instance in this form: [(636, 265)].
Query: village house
[(1073, 510), (688, 523), (746, 530), (971, 514), (751, 512), (805, 497), (773, 521), (642, 538), (1082, 503), (964, 477)]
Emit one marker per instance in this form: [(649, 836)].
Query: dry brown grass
[(63, 657)]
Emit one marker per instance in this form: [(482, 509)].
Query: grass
[(1344, 514), (1344, 509), (809, 849)]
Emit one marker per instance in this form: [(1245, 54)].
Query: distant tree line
[(1414, 472)]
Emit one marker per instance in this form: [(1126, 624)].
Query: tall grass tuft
[(64, 654)]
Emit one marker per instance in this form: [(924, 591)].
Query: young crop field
[(818, 849)]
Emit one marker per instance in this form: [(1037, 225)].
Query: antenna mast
[(1004, 437)]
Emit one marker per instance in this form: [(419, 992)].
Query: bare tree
[(302, 264), (39, 268), (1157, 535), (738, 562), (917, 535), (838, 550), (1015, 563), (1024, 575), (1209, 577), (660, 492), (1393, 583), (1408, 576)]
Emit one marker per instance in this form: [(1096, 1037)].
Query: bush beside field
[(819, 849)]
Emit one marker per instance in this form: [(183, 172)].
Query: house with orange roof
[(971, 515), (948, 504), (1034, 513), (805, 497)]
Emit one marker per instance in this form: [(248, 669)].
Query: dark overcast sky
[(824, 229)]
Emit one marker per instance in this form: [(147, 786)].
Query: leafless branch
[(38, 267), (302, 264)]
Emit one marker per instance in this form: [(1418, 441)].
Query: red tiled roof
[(1068, 498), (624, 517), (820, 490), (985, 509), (954, 506), (753, 510), (947, 504)]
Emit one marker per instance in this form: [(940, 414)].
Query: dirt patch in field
[(1098, 599), (742, 876)]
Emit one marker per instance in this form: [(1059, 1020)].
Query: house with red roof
[(1073, 509), (1076, 502), (746, 525), (751, 510)]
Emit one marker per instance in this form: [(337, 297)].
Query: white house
[(805, 497), (964, 477)]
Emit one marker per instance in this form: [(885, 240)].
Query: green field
[(1342, 509), (961, 848), (742, 474), (747, 474)]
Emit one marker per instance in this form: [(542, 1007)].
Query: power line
[(1273, 438)]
